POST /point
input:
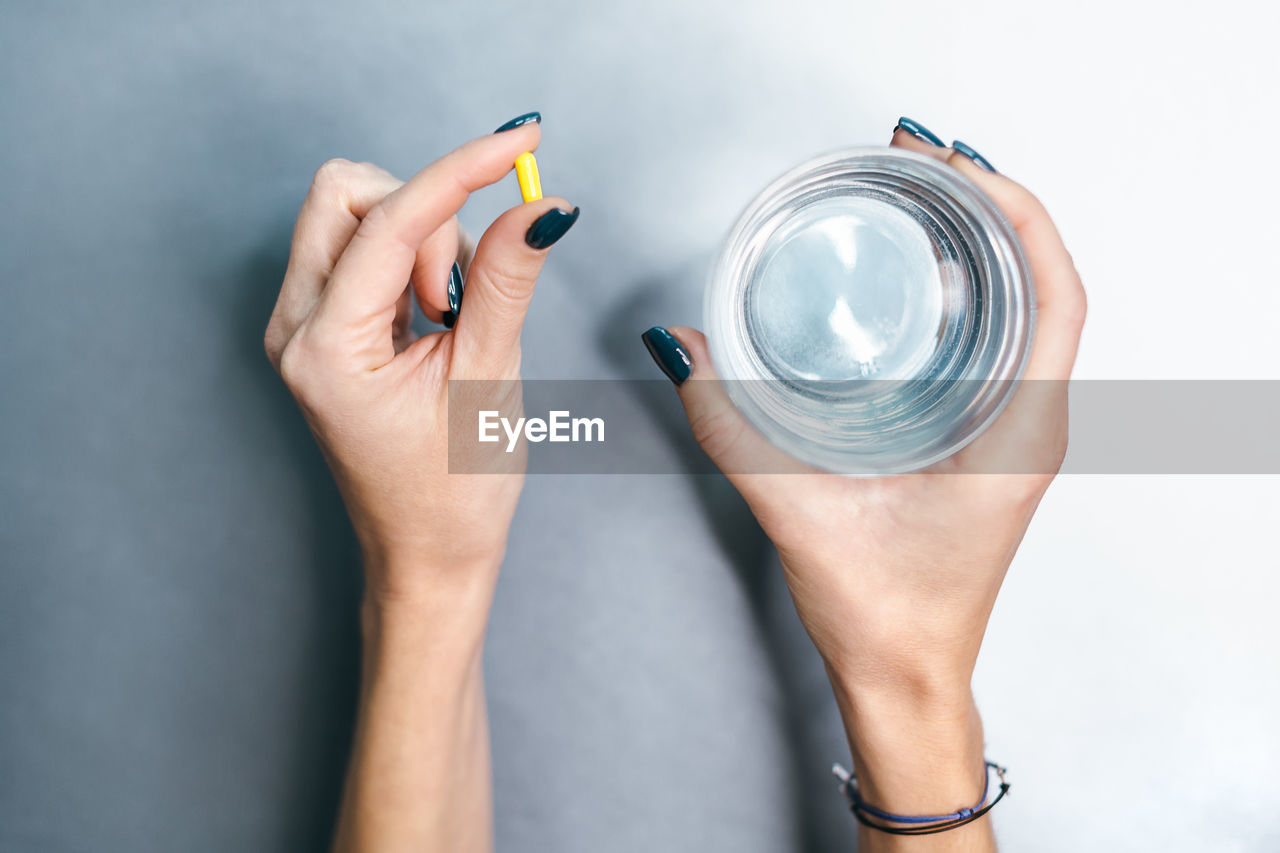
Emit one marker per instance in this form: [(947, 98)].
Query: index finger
[(1030, 437), (372, 272), (1060, 299)]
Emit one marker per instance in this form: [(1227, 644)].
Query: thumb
[(735, 446), (500, 282)]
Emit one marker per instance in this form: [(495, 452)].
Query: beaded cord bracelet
[(918, 824)]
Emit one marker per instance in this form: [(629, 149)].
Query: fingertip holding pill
[(527, 175)]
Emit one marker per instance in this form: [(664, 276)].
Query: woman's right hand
[(375, 398), (364, 245)]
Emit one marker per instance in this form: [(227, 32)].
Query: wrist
[(404, 579), (917, 747), (409, 643), (426, 605)]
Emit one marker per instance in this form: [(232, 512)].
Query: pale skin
[(894, 578)]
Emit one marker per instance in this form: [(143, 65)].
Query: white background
[(1131, 674)]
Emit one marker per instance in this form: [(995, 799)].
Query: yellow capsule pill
[(527, 175)]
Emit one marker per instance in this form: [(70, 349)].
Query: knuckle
[(509, 286), (1080, 306), (1028, 489), (332, 178), (716, 430), (1032, 202), (375, 219), (333, 169), (463, 172), (1012, 495), (272, 344), (293, 365), (1059, 444), (1057, 458), (1027, 208), (1075, 307)]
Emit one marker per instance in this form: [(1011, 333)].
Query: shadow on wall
[(808, 713), (324, 701)]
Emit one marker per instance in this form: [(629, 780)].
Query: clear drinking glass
[(870, 312)]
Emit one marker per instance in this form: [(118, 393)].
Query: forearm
[(419, 776), (915, 752)]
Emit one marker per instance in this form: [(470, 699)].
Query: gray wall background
[(178, 581)]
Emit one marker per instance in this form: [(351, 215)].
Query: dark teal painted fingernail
[(456, 285), (919, 131), (519, 121), (668, 354), (454, 290), (550, 227), (973, 155)]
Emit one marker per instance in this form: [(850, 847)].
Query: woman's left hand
[(894, 578)]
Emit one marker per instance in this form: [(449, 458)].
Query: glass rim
[(1004, 269)]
